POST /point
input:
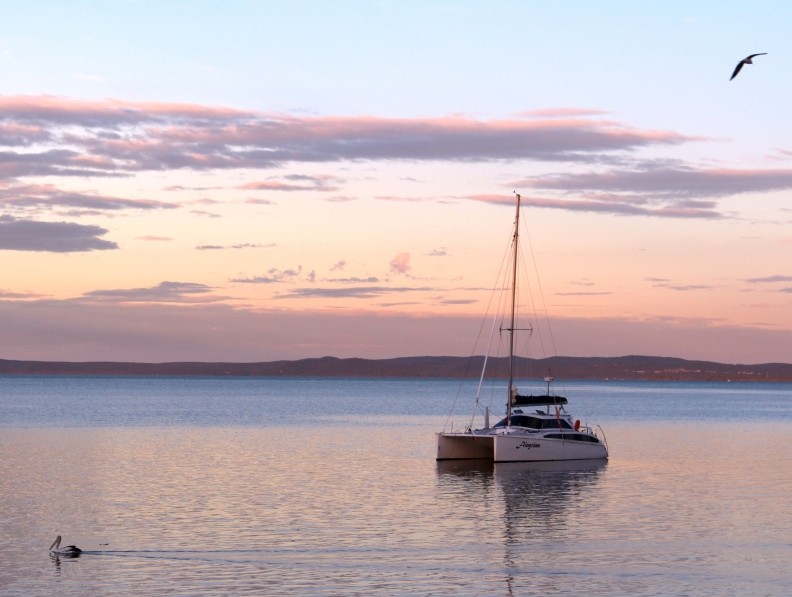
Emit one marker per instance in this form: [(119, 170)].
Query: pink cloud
[(273, 276), (164, 292), (153, 238), (400, 264), (56, 237), (662, 179), (47, 196), (634, 205), (109, 112), (295, 182), (561, 113), (112, 137), (49, 136), (273, 185)]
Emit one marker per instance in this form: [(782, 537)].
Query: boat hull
[(515, 448), (464, 446)]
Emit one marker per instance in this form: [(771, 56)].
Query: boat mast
[(513, 301)]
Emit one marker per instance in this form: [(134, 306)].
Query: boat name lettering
[(528, 445)]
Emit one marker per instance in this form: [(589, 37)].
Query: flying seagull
[(747, 60)]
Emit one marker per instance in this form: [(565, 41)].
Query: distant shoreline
[(584, 368)]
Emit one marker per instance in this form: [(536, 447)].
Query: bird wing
[(737, 69), (755, 55)]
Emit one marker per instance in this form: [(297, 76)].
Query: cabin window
[(535, 422), (522, 421), (580, 437), (552, 424)]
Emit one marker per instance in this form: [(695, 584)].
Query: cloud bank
[(56, 237), (45, 136)]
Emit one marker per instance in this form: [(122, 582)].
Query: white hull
[(518, 447)]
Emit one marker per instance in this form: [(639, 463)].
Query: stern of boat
[(464, 446)]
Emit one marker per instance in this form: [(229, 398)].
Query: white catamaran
[(536, 427)]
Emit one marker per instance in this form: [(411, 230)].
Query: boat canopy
[(538, 400)]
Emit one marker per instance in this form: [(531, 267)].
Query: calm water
[(329, 487)]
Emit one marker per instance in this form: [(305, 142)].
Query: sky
[(260, 180)]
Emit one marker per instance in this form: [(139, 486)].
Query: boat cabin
[(540, 420)]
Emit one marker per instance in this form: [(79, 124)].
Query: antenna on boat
[(549, 379)]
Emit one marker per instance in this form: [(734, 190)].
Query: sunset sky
[(262, 180)]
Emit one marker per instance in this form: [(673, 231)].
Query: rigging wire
[(487, 313), (541, 295)]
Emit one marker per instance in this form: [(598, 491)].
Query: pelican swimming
[(747, 60), (66, 550)]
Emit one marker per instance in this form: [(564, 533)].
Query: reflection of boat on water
[(536, 495), (537, 483), (540, 506), (534, 487), (536, 427)]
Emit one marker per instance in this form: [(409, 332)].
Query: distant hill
[(593, 368)]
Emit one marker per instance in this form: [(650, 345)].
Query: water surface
[(329, 487)]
